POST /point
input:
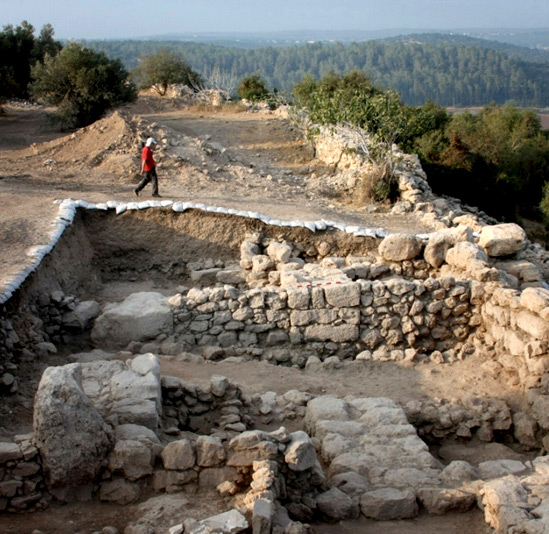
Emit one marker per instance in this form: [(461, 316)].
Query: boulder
[(503, 239), (505, 503), (142, 316), (440, 242), (209, 451), (500, 468), (280, 252), (534, 299), (386, 504), (178, 455), (457, 472), (300, 453), (136, 433), (72, 437), (400, 247), (335, 505), (132, 459), (119, 491), (351, 483), (464, 253), (440, 501), (126, 393)]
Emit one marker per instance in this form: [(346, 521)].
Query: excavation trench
[(267, 327)]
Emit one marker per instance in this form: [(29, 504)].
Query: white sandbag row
[(68, 208)]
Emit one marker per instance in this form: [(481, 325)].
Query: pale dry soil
[(28, 187)]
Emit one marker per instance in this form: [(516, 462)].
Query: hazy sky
[(98, 19)]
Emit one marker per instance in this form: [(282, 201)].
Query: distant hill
[(522, 52), (448, 69)]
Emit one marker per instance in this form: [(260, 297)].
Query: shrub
[(82, 83), (253, 88)]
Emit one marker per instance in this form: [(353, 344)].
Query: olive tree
[(164, 68), (82, 83)]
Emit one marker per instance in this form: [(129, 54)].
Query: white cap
[(150, 141)]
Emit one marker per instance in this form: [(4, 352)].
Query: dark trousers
[(150, 176)]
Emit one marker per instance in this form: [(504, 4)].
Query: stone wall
[(381, 319), (22, 484)]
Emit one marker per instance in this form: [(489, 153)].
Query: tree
[(164, 68), (19, 52), (82, 83), (253, 88)]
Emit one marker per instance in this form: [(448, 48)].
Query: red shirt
[(147, 159)]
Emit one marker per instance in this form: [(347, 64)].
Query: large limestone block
[(505, 502), (335, 505), (138, 433), (457, 472), (280, 252), (131, 458), (119, 491), (503, 239), (533, 325), (440, 501), (338, 334), (135, 399), (300, 453), (400, 247), (142, 316), (178, 455), (69, 432), (342, 295), (387, 504), (351, 483), (464, 253), (209, 451), (500, 468), (440, 242), (126, 393), (399, 286), (326, 407), (534, 299)]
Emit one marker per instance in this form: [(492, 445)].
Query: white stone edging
[(67, 213)]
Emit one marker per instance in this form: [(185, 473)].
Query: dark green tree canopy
[(82, 83), (20, 50), (253, 88), (164, 68)]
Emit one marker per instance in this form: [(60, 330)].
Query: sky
[(112, 19)]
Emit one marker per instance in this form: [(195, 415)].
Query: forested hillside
[(538, 55), (449, 74)]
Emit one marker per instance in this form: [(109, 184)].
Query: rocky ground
[(230, 158)]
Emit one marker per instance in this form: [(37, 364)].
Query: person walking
[(148, 168)]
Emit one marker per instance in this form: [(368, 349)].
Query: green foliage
[(20, 50), (164, 68), (253, 88), (449, 74), (82, 83), (378, 117), (498, 160)]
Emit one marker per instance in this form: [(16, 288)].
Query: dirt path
[(265, 166)]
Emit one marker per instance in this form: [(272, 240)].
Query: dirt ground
[(39, 165)]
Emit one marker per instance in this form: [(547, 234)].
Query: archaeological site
[(249, 353)]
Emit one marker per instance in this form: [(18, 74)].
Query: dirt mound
[(114, 136)]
